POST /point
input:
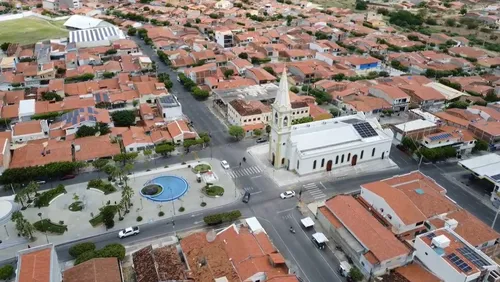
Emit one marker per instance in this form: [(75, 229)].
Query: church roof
[(283, 98)]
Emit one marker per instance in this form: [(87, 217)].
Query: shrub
[(181, 209), (160, 214), (203, 204), (139, 218), (219, 218), (81, 248), (76, 206), (202, 168), (112, 251), (44, 199), (95, 183), (6, 272), (45, 225), (85, 257), (99, 184), (107, 188), (151, 190), (96, 220)]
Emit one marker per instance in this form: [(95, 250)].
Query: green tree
[(85, 131), (463, 11), (99, 164), (108, 74), (51, 96), (228, 73), (237, 132), (355, 274), (243, 55), (409, 143), (6, 272), (164, 149), (458, 105), (361, 5), (20, 198), (31, 188), (108, 215), (127, 194), (125, 158), (200, 94), (294, 89), (335, 112), (123, 118), (450, 22), (5, 46), (491, 97), (132, 31), (269, 70), (257, 132), (268, 129), (480, 146)]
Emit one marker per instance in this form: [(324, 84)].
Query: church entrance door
[(354, 160), (383, 153), (329, 165), (272, 162)]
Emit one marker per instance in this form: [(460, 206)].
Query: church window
[(285, 121), (314, 165), (337, 160), (361, 156), (342, 159), (283, 161), (297, 164), (322, 162), (349, 157), (373, 152), (276, 118)]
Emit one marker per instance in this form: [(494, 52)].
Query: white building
[(452, 259), (224, 38), (84, 22), (486, 167), (323, 145), (95, 37), (170, 108), (26, 109)]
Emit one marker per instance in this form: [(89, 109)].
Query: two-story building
[(393, 95)]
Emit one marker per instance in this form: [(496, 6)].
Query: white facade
[(169, 107), (322, 145), (224, 38)]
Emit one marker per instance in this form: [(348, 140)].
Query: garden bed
[(45, 225), (151, 190), (98, 219), (46, 198), (213, 191), (76, 206), (202, 168), (99, 184)]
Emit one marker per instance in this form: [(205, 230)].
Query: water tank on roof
[(441, 241), (451, 223)]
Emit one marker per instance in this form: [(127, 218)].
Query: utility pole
[(495, 219)]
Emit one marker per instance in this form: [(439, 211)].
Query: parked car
[(129, 231), (68, 176), (261, 140), (246, 197), (224, 164), (287, 194)]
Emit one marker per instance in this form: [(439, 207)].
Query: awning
[(320, 237), (307, 222)]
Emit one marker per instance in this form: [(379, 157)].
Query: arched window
[(373, 152), (342, 159), (283, 161), (314, 164), (322, 162), (337, 160), (361, 156), (285, 121), (349, 157), (276, 118)]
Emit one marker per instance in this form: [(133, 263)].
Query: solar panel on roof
[(440, 136), (496, 177), (473, 256), (90, 110), (105, 97), (458, 262), (97, 98), (74, 120), (365, 129)]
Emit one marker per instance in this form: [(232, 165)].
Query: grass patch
[(31, 30), (202, 168), (213, 191), (45, 225), (76, 206)]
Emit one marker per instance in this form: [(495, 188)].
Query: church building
[(323, 145)]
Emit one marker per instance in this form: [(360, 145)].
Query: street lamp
[(43, 225), (173, 209)]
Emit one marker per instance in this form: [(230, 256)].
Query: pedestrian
[(240, 164), (29, 247)]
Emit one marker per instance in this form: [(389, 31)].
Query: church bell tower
[(281, 124)]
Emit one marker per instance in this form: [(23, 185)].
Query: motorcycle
[(292, 230)]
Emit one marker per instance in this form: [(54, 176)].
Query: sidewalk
[(283, 177), (78, 222)]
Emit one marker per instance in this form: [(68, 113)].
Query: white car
[(129, 231), (224, 164), (287, 194)]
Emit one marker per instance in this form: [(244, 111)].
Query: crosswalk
[(314, 191), (234, 173), (252, 190)]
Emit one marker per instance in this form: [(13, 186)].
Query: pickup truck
[(129, 231)]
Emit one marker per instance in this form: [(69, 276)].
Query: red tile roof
[(35, 266)]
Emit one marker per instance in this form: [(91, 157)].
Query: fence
[(28, 14)]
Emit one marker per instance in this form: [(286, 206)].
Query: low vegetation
[(81, 248), (202, 168), (109, 251), (213, 191), (151, 190), (44, 199), (6, 272), (46, 225), (76, 206), (105, 187), (100, 218), (219, 218)]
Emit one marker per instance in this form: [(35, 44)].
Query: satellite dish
[(211, 235), (45, 144), (97, 134)]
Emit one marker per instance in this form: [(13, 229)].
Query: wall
[(29, 14)]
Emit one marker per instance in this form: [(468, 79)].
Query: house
[(487, 131), (451, 258), (224, 38), (169, 107), (426, 98), (374, 249), (393, 95), (462, 140), (159, 264), (415, 129), (241, 65), (198, 74), (180, 131), (240, 252), (94, 270), (40, 262), (363, 64), (370, 106), (29, 130), (259, 75), (138, 139), (89, 116)]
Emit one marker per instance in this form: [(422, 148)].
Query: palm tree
[(32, 188), (20, 198), (27, 229), (123, 205), (127, 194)]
